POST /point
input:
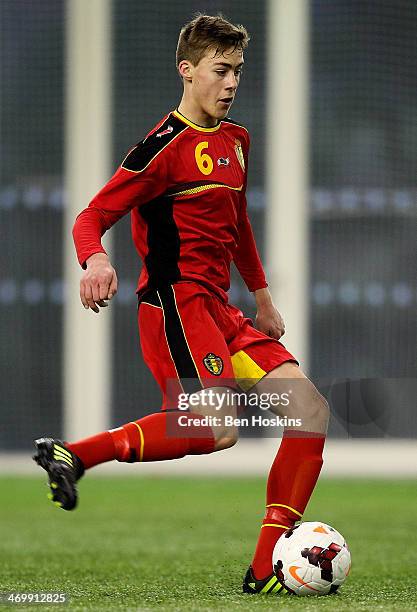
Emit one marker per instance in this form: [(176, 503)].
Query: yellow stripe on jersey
[(274, 525), (246, 370), (201, 188)]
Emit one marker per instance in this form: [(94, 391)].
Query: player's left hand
[(269, 321)]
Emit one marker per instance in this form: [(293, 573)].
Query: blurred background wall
[(362, 202)]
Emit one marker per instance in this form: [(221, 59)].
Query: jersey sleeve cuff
[(256, 286), (82, 258)]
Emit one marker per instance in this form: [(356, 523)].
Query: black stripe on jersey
[(228, 120), (163, 241), (144, 152), (177, 342), (150, 297)]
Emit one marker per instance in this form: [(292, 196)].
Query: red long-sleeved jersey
[(185, 187)]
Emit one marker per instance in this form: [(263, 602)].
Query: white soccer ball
[(311, 559)]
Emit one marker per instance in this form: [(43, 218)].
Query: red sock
[(155, 437), (93, 450), (291, 481)]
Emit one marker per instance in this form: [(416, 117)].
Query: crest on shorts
[(213, 363), (239, 154)]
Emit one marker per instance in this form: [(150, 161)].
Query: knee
[(227, 439), (312, 409), (320, 410)]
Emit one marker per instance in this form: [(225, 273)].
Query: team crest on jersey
[(239, 154), (165, 132), (213, 363), (223, 161)]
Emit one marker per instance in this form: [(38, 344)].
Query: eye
[(222, 72)]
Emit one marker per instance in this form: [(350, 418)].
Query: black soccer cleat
[(269, 585), (64, 469)]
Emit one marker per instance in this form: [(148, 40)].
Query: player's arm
[(246, 256), (247, 260), (139, 179)]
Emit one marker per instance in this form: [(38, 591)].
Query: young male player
[(184, 185)]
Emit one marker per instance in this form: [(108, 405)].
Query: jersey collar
[(195, 126)]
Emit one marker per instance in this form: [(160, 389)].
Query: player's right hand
[(98, 283)]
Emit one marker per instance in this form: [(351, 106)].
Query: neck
[(195, 114)]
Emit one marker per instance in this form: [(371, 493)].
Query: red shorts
[(190, 338)]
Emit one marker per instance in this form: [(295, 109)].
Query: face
[(211, 85)]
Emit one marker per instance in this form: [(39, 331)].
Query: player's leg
[(263, 365), (155, 437), (297, 465), (188, 357), (174, 335)]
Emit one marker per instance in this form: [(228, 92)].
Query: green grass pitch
[(184, 543)]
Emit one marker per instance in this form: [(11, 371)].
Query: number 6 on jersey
[(204, 161)]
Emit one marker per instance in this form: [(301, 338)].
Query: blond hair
[(206, 32)]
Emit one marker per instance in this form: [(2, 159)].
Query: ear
[(185, 68)]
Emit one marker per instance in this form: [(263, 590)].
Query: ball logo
[(293, 572), (213, 363)]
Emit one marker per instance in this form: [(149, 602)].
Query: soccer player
[(184, 185)]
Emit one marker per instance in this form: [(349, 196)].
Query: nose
[(232, 81)]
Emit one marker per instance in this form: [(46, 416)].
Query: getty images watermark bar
[(360, 408), (230, 403)]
